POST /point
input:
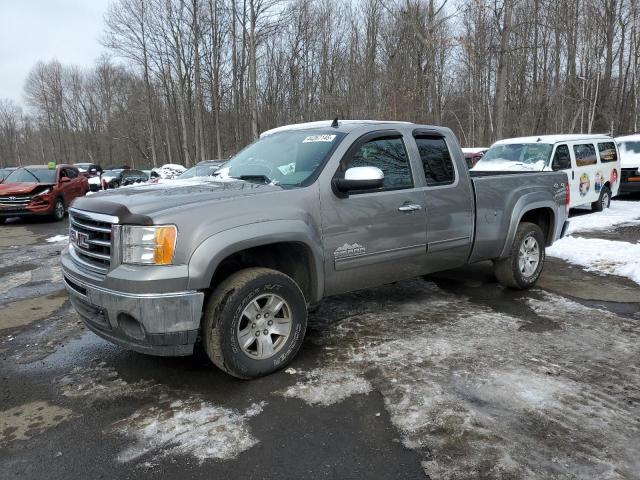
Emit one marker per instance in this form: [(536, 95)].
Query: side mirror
[(64, 179), (360, 178)]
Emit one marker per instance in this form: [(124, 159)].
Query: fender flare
[(525, 204), (213, 250)]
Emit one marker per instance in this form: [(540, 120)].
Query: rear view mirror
[(360, 178)]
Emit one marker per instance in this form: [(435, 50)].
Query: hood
[(134, 203), (507, 166), (21, 188)]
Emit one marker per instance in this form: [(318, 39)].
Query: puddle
[(29, 420), (25, 312)]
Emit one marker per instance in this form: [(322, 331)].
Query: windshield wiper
[(31, 173), (258, 176)]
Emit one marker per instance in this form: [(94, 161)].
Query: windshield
[(112, 173), (199, 171), (287, 158), (533, 154), (31, 175)]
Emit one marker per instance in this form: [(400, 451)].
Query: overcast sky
[(32, 30)]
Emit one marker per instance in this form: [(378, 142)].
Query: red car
[(40, 190)]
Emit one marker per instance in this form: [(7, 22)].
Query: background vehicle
[(591, 162), (40, 190), (472, 155), (204, 168), (301, 214), (629, 148), (169, 170), (118, 178)]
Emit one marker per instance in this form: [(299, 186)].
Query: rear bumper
[(155, 324)]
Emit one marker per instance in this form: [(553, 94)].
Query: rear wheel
[(522, 268), (604, 201), (254, 323), (58, 210)]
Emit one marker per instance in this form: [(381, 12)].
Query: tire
[(115, 185), (603, 201), (509, 271), (58, 210), (226, 321)]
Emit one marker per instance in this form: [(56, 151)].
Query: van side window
[(608, 152), (436, 160), (561, 159), (585, 154), (390, 156)]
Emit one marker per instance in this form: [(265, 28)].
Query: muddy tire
[(254, 323), (522, 268), (603, 201), (58, 210)]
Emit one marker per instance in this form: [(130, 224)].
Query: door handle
[(410, 208)]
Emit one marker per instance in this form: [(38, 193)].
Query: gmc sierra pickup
[(304, 212)]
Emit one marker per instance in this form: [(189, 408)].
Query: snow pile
[(621, 212), (607, 257), (188, 427), (328, 386), (169, 170), (58, 239)]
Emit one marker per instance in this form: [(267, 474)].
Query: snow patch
[(188, 427), (607, 257), (328, 386), (619, 213), (100, 383), (58, 239)]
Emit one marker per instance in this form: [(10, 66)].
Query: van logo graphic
[(349, 250)]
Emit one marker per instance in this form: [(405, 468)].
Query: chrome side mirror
[(360, 178)]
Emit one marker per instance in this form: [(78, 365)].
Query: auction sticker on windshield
[(319, 138)]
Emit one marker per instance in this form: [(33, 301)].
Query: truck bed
[(501, 196)]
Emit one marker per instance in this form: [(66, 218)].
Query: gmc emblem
[(78, 238)]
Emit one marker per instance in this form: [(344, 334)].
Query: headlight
[(148, 245), (43, 192)]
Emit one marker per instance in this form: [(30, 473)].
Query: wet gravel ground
[(450, 377)]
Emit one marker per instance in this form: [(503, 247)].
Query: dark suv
[(121, 177)]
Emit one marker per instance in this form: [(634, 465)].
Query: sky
[(33, 30)]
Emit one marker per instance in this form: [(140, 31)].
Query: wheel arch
[(287, 246), (541, 213)]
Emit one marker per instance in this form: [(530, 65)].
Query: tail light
[(567, 197)]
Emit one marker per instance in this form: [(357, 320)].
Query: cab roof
[(552, 139), (343, 125)]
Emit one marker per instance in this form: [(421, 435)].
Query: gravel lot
[(451, 377)]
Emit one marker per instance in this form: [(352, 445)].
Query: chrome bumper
[(158, 324)]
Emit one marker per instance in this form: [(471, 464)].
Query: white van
[(629, 147), (592, 163)]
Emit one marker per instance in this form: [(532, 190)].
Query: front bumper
[(28, 210), (157, 324)]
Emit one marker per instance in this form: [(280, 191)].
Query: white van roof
[(551, 139)]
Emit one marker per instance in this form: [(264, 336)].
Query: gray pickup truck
[(305, 212)]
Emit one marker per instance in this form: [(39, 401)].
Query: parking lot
[(452, 376)]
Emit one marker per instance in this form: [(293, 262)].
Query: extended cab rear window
[(436, 160)]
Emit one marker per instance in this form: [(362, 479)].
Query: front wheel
[(58, 210), (522, 268), (254, 323), (604, 201)]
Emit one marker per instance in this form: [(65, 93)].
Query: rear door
[(583, 178), (448, 202), (371, 237), (609, 172)]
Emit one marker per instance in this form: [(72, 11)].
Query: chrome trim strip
[(102, 243), (437, 242), (89, 227), (85, 264), (89, 253), (88, 286), (96, 217)]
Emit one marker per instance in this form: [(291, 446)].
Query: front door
[(374, 235)]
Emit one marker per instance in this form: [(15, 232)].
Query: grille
[(15, 200), (90, 239)]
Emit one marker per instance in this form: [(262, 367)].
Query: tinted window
[(69, 172), (390, 156), (561, 159), (436, 161), (608, 152), (585, 154)]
